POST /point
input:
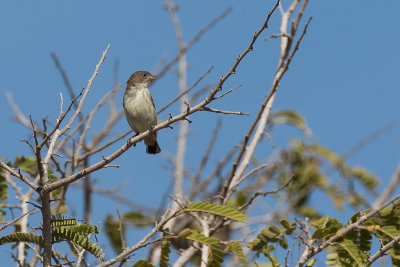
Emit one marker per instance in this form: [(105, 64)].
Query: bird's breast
[(139, 109)]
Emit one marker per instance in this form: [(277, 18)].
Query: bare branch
[(66, 81), (141, 243), (183, 130), (395, 241), (195, 39), (247, 152), (229, 91), (225, 111), (186, 91), (266, 193), (203, 162), (4, 226), (20, 117), (18, 175)]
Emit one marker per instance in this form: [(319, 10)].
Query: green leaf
[(199, 237), (328, 154), (220, 210), (21, 237), (111, 228), (360, 173), (326, 227), (311, 263), (3, 188), (62, 234), (27, 164), (237, 201), (236, 248), (391, 231), (61, 221), (142, 263), (216, 257), (3, 195), (332, 259), (269, 235), (272, 258), (165, 250), (289, 117), (283, 242), (395, 255), (289, 228), (353, 251), (138, 219)]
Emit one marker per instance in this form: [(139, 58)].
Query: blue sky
[(344, 79)]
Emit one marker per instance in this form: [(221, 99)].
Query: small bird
[(140, 111)]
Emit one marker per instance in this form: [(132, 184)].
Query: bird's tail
[(153, 149)]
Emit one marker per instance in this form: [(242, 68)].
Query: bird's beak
[(153, 77)]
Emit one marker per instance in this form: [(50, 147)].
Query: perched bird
[(140, 111)]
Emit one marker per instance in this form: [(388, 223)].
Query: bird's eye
[(144, 74)]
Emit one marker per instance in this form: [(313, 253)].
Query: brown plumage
[(140, 111)]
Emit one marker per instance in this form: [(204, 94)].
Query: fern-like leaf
[(61, 221), (219, 210), (165, 250), (352, 251), (216, 257), (61, 234), (237, 249), (198, 237), (21, 237), (142, 263)]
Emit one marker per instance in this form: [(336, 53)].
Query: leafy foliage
[(354, 248), (165, 250), (216, 209), (308, 164), (64, 233), (272, 234), (236, 248), (290, 117), (138, 219), (194, 235), (142, 263), (27, 164), (216, 256), (63, 229), (216, 253), (60, 221), (3, 195), (113, 232), (21, 237)]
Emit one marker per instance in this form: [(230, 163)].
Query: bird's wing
[(152, 101)]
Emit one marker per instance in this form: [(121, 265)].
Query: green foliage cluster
[(355, 247), (63, 229), (3, 196), (263, 244), (352, 249), (310, 164)]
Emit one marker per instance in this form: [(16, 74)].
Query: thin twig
[(142, 242), (204, 159), (229, 91), (18, 175), (225, 111), (17, 219), (186, 91), (266, 193), (195, 39)]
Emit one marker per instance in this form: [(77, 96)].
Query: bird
[(139, 108)]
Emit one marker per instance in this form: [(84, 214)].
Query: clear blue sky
[(344, 79)]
